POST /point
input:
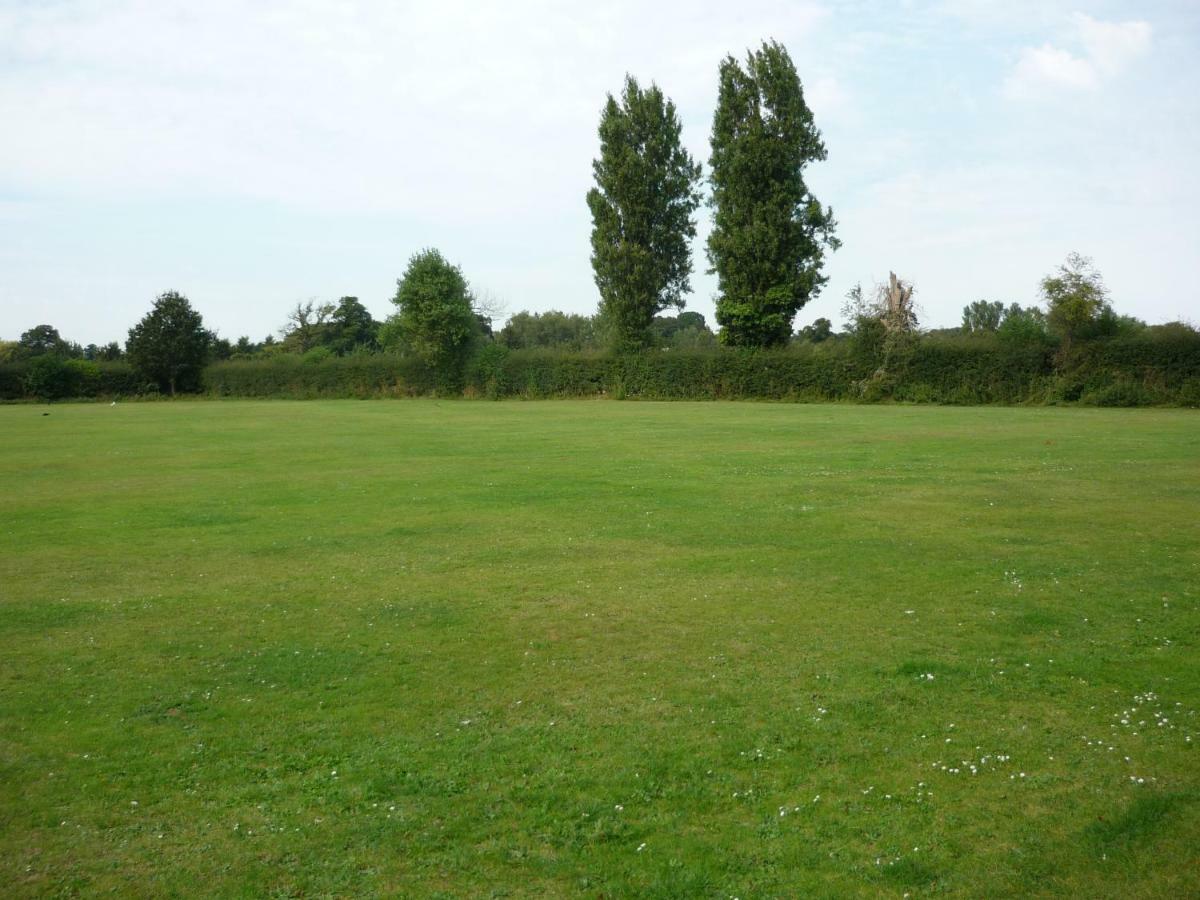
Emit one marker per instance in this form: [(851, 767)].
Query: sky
[(253, 155)]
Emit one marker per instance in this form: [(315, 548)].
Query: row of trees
[(438, 319), (769, 233), (767, 246)]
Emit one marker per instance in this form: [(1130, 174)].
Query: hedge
[(1152, 368), (52, 378), (294, 377)]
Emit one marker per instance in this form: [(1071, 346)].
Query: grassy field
[(610, 649)]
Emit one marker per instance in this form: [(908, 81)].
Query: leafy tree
[(42, 340), (642, 205), (1075, 297), (1023, 325), (552, 328), (1109, 323), (308, 326), (9, 351), (686, 330), (245, 348), (351, 327), (170, 345), (434, 319), (983, 317), (108, 353), (820, 330), (219, 348), (769, 232)]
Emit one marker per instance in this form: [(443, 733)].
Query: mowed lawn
[(472, 649)]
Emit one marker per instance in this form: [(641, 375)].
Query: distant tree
[(351, 327), (864, 326), (9, 351), (170, 345), (1023, 325), (1075, 297), (245, 348), (642, 205), (687, 330), (434, 316), (663, 328), (488, 308), (308, 326), (983, 317), (107, 353), (219, 348), (1176, 329), (42, 340), (569, 331), (820, 330), (1110, 323), (769, 233)]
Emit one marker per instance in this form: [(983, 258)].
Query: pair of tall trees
[(769, 233)]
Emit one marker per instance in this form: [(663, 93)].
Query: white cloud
[(1111, 46), (1107, 49), (1048, 66)]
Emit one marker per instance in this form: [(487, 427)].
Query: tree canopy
[(769, 232), (435, 318), (1075, 296), (642, 205), (42, 340), (170, 345)]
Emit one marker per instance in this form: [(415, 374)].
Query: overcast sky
[(254, 154)]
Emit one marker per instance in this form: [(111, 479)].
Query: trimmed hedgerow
[(968, 370), (1154, 367), (54, 378), (298, 378)]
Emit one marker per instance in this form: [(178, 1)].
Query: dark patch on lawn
[(915, 668), (43, 615), (1141, 820), (1036, 621), (910, 873)]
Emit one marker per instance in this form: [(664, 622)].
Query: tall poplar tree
[(647, 189), (769, 232)]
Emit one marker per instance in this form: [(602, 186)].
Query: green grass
[(617, 649)]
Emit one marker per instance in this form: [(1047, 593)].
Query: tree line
[(767, 247)]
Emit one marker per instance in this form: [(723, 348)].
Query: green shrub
[(485, 373), (49, 378)]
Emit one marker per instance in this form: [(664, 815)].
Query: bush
[(49, 378)]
